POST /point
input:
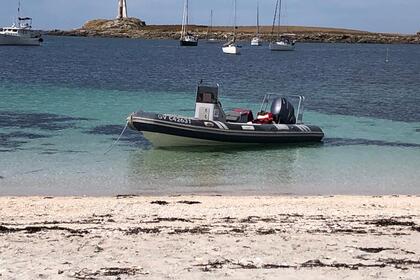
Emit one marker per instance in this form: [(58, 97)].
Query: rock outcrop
[(125, 27), (114, 25)]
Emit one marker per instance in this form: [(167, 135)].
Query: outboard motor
[(283, 111)]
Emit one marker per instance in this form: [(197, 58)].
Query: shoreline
[(193, 236), (131, 28)]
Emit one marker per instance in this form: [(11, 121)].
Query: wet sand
[(210, 237)]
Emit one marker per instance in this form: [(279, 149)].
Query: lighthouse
[(122, 9)]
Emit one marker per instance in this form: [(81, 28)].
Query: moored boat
[(277, 123), (232, 47), (20, 33), (187, 39), (282, 42), (209, 34), (256, 41)]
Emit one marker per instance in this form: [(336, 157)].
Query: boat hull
[(282, 47), (10, 40), (212, 41), (231, 50), (256, 42), (184, 43), (174, 131)]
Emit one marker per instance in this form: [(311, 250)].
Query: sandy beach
[(210, 237)]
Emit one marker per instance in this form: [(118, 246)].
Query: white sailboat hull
[(256, 42), (282, 46), (212, 41), (12, 40), (231, 49)]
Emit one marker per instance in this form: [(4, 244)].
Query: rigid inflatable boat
[(212, 126)]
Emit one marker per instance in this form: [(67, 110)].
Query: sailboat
[(187, 38), (210, 30), (256, 41), (283, 42), (231, 47), (20, 33)]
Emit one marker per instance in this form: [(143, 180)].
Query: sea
[(64, 104)]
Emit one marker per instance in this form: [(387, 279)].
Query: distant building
[(122, 9)]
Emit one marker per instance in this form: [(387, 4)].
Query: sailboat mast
[(210, 27), (278, 23), (184, 18), (234, 18), (274, 19), (258, 18), (186, 8), (211, 20)]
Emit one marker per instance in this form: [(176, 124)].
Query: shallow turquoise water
[(64, 104)]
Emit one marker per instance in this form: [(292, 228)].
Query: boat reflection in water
[(216, 169)]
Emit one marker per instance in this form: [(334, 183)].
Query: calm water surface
[(63, 104)]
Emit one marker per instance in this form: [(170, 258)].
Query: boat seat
[(264, 118), (239, 116)]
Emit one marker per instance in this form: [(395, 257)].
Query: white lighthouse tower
[(122, 9)]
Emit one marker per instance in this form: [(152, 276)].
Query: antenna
[(18, 19)]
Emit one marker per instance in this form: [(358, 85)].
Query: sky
[(395, 16)]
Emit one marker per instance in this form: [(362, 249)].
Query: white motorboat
[(231, 47), (20, 33), (256, 41), (18, 36), (187, 38), (282, 42)]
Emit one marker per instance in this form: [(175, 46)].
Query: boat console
[(207, 104)]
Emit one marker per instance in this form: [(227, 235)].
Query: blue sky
[(372, 15)]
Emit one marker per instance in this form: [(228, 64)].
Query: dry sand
[(210, 237)]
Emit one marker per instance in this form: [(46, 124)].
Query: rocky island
[(136, 28)]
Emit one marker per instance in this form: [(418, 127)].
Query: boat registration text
[(174, 118)]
